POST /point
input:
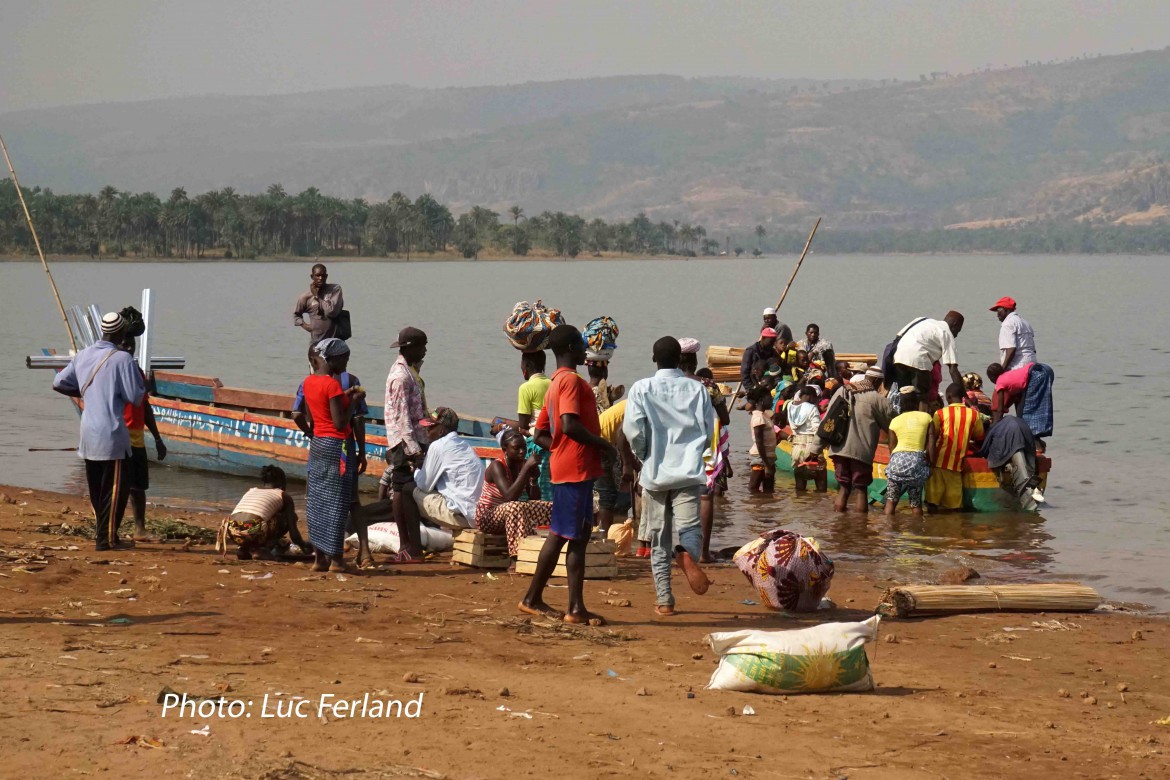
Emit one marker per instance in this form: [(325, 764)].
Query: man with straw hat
[(106, 378)]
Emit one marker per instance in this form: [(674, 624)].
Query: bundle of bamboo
[(918, 600)]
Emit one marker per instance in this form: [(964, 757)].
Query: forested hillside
[(1083, 140)]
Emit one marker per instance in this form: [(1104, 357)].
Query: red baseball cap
[(768, 333), (1006, 303)]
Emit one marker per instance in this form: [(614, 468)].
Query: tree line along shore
[(224, 224)]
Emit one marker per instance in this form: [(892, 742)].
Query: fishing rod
[(37, 242), (788, 286)]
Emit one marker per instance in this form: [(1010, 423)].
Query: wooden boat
[(230, 430), (981, 490), (235, 431)]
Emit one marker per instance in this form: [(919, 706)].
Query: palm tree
[(517, 215), (760, 233)]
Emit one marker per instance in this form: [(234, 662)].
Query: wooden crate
[(600, 561), (481, 551)]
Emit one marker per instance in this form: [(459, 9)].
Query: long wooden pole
[(807, 244), (37, 242), (788, 286)]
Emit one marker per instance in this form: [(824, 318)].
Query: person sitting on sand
[(569, 429), (669, 424), (510, 501), (912, 442), (261, 519)]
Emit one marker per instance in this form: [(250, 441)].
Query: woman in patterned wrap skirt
[(330, 484), (509, 502)]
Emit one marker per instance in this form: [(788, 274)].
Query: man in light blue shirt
[(669, 425), (448, 484), (106, 379)]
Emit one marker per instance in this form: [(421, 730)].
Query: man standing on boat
[(106, 378), (783, 332), (1017, 342), (323, 303), (406, 406)]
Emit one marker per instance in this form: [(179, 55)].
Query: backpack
[(891, 348), (834, 427)]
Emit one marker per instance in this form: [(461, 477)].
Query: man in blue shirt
[(106, 379), (670, 424)]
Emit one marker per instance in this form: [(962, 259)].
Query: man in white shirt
[(1017, 342), (669, 425), (923, 344), (448, 484)]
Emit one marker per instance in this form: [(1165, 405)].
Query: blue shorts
[(572, 510)]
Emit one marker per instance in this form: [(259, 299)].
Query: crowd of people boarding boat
[(583, 452)]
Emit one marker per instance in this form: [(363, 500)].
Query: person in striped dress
[(956, 425), (510, 503)]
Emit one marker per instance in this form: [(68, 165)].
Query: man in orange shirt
[(568, 428), (956, 425)]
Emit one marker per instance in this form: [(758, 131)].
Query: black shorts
[(399, 472), (137, 470)]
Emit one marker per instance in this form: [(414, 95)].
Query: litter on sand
[(747, 710), (267, 576), (203, 732)]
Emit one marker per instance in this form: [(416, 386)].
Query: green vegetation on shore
[(226, 224)]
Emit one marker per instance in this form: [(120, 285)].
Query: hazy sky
[(54, 52)]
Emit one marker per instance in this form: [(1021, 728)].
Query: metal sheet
[(143, 348)]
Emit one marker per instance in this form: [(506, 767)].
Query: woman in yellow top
[(912, 445)]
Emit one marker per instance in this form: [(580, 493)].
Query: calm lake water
[(1101, 322)]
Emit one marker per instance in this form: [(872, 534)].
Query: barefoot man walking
[(670, 423), (568, 428)]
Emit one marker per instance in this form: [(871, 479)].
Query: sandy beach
[(92, 640)]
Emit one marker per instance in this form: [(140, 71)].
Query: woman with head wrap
[(510, 502), (330, 484)]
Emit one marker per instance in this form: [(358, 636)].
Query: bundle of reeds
[(731, 356), (917, 600)]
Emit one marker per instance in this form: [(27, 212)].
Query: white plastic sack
[(384, 539), (824, 658)]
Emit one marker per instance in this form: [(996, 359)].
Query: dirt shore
[(91, 640)]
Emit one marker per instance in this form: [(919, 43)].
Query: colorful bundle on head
[(530, 325), (600, 338)]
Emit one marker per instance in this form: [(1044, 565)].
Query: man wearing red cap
[(1017, 342), (763, 350)]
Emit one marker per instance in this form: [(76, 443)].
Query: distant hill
[(1086, 139)]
